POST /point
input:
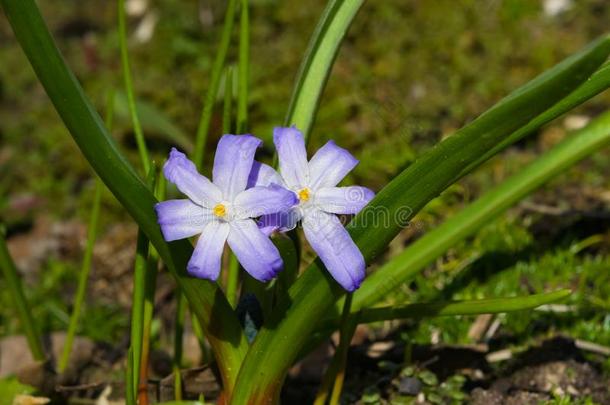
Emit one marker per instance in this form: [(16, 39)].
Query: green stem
[(348, 327), (130, 398), (148, 311), (15, 289), (335, 373), (227, 109), (233, 271), (210, 96), (244, 68), (178, 342), (137, 127), (140, 293), (83, 277), (150, 284), (137, 310)]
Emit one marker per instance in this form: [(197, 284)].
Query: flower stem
[(227, 110), (348, 327), (149, 306), (83, 277), (150, 283), (137, 310), (178, 342), (141, 294), (335, 374), (210, 96), (233, 270), (129, 383), (137, 127)]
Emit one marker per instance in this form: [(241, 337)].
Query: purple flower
[(319, 200), (223, 210)]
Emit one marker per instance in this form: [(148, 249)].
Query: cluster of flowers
[(247, 201)]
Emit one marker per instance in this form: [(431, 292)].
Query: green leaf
[(318, 62), (452, 308), (87, 129), (312, 296), (436, 242), (11, 387), (598, 82)]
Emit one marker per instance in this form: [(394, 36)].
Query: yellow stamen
[(220, 210), (304, 194)]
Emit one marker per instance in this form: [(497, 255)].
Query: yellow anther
[(220, 210), (304, 194)]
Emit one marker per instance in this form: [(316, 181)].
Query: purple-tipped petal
[(233, 163), (182, 172), (263, 175), (255, 251), (205, 262), (343, 200), (336, 249), (290, 147), (257, 201), (330, 165), (283, 221), (181, 219)]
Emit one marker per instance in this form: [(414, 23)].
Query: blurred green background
[(409, 73)]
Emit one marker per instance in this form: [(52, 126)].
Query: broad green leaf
[(598, 82), (313, 295), (436, 242), (318, 62), (87, 129)]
